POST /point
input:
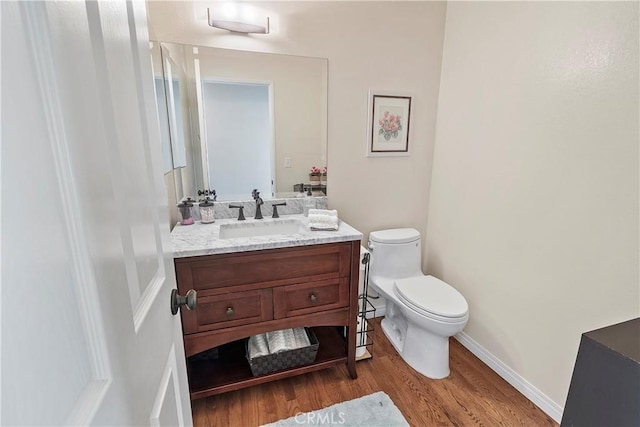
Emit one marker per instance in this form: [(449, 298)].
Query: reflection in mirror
[(172, 83), (161, 106), (208, 150), (173, 102), (240, 152), (292, 134)]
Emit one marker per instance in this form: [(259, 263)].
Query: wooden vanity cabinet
[(247, 293)]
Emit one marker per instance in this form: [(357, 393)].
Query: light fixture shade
[(236, 26)]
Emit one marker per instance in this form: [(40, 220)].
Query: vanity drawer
[(311, 297), (272, 267), (227, 310)]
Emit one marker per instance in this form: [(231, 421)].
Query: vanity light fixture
[(236, 26)]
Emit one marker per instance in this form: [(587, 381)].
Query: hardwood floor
[(472, 395)]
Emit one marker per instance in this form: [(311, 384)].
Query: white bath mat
[(373, 410)]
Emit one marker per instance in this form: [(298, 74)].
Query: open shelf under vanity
[(229, 370)]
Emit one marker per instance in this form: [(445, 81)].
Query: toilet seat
[(431, 298)]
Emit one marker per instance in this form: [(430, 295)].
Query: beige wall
[(534, 203), (369, 45)]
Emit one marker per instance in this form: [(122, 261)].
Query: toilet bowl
[(422, 311)]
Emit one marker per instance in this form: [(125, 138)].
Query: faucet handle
[(255, 193), (240, 211), (275, 209)]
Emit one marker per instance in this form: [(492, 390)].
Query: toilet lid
[(431, 295), (395, 235)]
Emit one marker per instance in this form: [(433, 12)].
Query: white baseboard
[(380, 305), (381, 311), (540, 399)]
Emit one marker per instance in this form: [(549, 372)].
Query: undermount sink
[(266, 228)]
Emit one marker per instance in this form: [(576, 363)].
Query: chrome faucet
[(259, 202)]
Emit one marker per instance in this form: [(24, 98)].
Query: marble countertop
[(204, 239)]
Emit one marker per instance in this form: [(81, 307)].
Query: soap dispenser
[(206, 211), (185, 212), (195, 211), (309, 202)]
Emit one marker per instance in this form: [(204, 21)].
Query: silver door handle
[(190, 300)]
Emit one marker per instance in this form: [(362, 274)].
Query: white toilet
[(422, 311)]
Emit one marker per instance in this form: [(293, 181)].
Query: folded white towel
[(302, 339), (323, 219), (281, 340), (324, 212), (258, 346)]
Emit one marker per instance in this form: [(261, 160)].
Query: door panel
[(60, 295), (129, 152), (167, 409), (130, 156)]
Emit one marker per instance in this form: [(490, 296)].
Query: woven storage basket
[(262, 365)]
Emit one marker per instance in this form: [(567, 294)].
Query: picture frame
[(389, 121)]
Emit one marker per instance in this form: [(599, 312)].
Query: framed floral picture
[(389, 119)]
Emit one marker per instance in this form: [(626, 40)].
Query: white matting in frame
[(388, 125)]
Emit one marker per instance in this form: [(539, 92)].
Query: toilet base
[(423, 344), (393, 334), (423, 351)]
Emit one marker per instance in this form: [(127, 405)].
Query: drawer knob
[(230, 312), (190, 300), (313, 299)]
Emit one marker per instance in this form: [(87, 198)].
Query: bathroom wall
[(369, 45), (534, 202)]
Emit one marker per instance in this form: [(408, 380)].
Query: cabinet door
[(312, 297)]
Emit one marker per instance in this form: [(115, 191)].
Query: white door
[(87, 336)]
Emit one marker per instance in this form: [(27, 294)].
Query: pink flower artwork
[(390, 125)]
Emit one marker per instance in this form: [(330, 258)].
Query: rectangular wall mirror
[(256, 120)]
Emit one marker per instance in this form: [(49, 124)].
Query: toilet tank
[(395, 253)]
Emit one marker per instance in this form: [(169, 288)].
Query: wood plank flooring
[(472, 395)]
